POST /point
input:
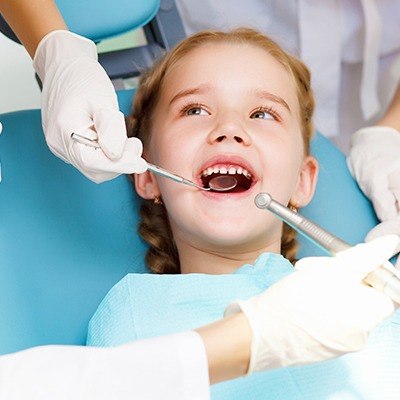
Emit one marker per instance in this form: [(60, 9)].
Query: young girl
[(226, 103)]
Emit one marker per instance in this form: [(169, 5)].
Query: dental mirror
[(222, 183)]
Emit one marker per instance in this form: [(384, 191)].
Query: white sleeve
[(170, 368)]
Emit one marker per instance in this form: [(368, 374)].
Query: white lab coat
[(351, 46), (169, 368)]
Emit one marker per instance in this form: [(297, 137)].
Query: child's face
[(228, 106)]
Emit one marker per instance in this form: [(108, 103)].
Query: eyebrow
[(269, 96), (187, 92), (205, 88)]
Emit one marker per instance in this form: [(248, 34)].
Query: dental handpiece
[(381, 278)]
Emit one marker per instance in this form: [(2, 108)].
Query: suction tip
[(263, 200)]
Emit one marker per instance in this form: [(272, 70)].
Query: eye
[(197, 111), (194, 109), (265, 113)]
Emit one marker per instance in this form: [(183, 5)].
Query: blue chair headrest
[(97, 25)]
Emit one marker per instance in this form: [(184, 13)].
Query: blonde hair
[(154, 228)]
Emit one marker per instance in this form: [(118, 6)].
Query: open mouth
[(242, 175)]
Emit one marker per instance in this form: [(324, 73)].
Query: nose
[(229, 130)]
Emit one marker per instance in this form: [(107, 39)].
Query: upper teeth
[(226, 170)]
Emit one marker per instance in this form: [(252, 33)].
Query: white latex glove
[(79, 97), (386, 228), (320, 311), (374, 161), (391, 226)]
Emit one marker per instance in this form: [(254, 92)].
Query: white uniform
[(170, 368), (351, 46)]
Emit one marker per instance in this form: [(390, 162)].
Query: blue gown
[(146, 305)]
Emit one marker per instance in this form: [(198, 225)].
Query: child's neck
[(195, 260)]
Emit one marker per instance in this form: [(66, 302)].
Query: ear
[(306, 183), (146, 185)]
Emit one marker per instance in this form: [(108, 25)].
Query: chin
[(233, 240)]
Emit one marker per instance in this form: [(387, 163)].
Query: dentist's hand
[(374, 161), (320, 311), (79, 97)]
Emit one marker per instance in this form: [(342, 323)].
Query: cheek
[(282, 160), (175, 151), (282, 147), (179, 203), (160, 150)]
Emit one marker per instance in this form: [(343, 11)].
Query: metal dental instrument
[(221, 183), (381, 278)]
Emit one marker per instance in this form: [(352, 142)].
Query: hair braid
[(162, 256), (289, 243)]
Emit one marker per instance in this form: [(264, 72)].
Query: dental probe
[(381, 278), (220, 183)]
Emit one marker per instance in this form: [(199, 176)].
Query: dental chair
[(65, 241)]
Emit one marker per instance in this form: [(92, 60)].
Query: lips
[(235, 166)]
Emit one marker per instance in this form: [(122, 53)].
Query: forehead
[(233, 66)]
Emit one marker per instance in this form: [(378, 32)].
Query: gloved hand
[(79, 97), (374, 161), (320, 311)]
